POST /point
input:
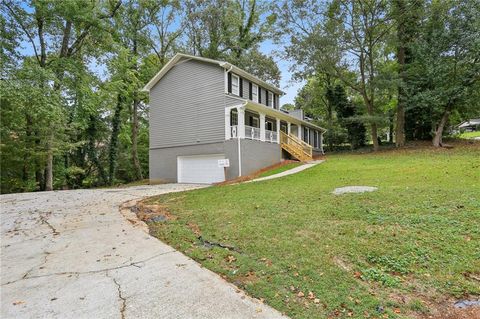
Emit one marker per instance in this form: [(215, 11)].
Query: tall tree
[(232, 30), (406, 15), (447, 60), (340, 38), (74, 22)]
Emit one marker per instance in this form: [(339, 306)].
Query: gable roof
[(225, 65)]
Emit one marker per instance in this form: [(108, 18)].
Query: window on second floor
[(235, 84), (254, 93), (270, 99)]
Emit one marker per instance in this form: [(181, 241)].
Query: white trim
[(241, 122), (254, 89), (262, 127), (278, 130), (237, 93), (239, 151), (227, 124)]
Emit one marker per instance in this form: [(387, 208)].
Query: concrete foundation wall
[(257, 155)]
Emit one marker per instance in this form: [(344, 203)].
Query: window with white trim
[(233, 117), (254, 93), (235, 84), (270, 99)]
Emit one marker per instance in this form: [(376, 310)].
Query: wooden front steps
[(296, 147)]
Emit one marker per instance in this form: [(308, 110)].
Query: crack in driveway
[(123, 306), (132, 264)]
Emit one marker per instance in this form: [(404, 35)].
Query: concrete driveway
[(72, 254)]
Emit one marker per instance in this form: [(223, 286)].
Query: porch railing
[(234, 131), (252, 133), (271, 136)]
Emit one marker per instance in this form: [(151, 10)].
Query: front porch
[(259, 123)]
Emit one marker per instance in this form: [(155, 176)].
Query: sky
[(290, 87)]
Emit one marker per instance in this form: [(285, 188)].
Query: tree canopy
[(73, 114)]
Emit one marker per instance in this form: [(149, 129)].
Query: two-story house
[(204, 111)]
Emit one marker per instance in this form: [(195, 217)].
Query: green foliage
[(348, 116), (374, 274)]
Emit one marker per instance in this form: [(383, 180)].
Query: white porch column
[(262, 127), (299, 133), (278, 131), (241, 122), (289, 127), (228, 134)]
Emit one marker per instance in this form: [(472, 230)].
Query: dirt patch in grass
[(146, 212), (249, 278), (446, 310)]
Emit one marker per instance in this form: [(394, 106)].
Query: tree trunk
[(49, 168), (28, 149), (39, 164), (112, 154), (136, 102), (390, 127), (136, 163), (401, 53), (373, 128), (437, 139), (373, 125), (91, 150)]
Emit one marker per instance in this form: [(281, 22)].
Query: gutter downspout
[(239, 149)]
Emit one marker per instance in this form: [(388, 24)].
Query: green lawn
[(311, 254), (469, 135), (280, 169)]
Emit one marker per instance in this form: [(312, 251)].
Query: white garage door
[(202, 169)]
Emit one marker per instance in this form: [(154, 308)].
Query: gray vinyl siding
[(231, 101), (187, 106)]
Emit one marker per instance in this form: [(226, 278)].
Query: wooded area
[(73, 115)]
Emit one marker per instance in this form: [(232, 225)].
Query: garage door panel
[(202, 169)]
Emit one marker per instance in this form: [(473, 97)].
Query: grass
[(393, 253), (280, 169), (469, 135)]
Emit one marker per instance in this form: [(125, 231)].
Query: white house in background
[(211, 121)]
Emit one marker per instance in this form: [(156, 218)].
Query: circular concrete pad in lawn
[(353, 189)]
